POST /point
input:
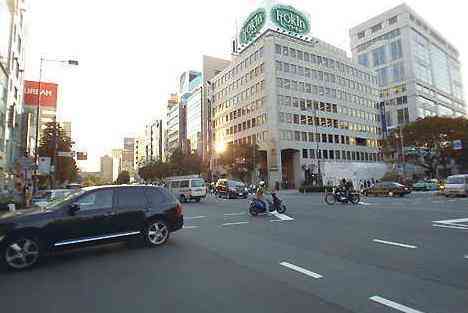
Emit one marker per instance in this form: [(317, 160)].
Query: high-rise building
[(418, 70), (127, 155), (175, 124), (154, 149), (312, 111), (67, 128), (139, 152), (107, 169), (11, 79), (116, 163)]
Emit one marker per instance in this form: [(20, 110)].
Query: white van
[(457, 185), (187, 188)]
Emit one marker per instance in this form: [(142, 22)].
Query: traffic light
[(81, 156)]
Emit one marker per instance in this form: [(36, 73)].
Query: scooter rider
[(260, 195)]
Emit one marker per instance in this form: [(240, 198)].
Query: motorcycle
[(338, 195), (257, 206)]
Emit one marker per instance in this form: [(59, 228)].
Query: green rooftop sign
[(290, 19), (252, 26)]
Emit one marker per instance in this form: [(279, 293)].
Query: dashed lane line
[(301, 270), (190, 227), (194, 217), (394, 305), (450, 226), (234, 223), (394, 243), (282, 217), (234, 214)]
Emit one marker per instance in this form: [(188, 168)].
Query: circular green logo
[(290, 19), (252, 25)]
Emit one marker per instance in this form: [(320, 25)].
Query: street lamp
[(44, 60)]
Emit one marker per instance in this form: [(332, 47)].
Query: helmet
[(261, 184)]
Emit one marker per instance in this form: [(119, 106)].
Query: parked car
[(90, 216), (426, 185), (187, 188), (43, 197), (457, 185), (231, 189), (387, 189)]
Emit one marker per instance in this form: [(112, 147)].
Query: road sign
[(69, 154), (457, 145)]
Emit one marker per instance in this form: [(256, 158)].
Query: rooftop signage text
[(252, 26), (290, 19)]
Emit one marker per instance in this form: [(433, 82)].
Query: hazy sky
[(131, 52)]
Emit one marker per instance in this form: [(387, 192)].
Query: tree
[(240, 160), (429, 142), (54, 139), (92, 181), (123, 178)]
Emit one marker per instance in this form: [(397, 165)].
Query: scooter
[(257, 206)]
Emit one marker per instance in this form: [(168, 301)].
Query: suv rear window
[(157, 196), (131, 198), (456, 180)]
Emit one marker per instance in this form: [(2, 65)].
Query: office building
[(12, 39), (127, 155), (418, 70), (190, 85), (139, 150), (312, 111), (153, 141), (116, 163), (107, 169), (175, 125), (67, 128)]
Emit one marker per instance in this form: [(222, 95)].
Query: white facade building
[(418, 70), (309, 108)]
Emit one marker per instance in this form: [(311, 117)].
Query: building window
[(378, 56), (305, 154), (395, 50), (363, 59), (285, 51), (297, 136), (311, 153), (393, 20), (325, 154), (361, 35), (376, 28), (331, 154), (337, 154), (277, 49)]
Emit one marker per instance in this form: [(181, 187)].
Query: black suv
[(89, 216)]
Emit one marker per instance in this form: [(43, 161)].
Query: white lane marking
[(194, 217), (234, 214), (466, 256), (394, 305), (457, 220), (301, 270), (364, 203), (235, 223), (282, 217), (190, 227), (451, 226), (394, 243), (276, 220)]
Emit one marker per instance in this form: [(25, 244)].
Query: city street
[(385, 255)]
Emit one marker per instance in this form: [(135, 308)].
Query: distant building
[(139, 152), (175, 125), (116, 163), (154, 139), (128, 155), (418, 70), (67, 128), (107, 168)]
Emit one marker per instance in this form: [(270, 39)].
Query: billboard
[(48, 94)]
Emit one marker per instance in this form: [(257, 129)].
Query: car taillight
[(179, 209)]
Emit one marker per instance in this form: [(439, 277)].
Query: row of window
[(308, 105), (392, 91), (395, 101), (250, 123), (391, 74), (341, 155), (322, 76), (242, 66), (380, 55), (384, 37), (301, 119), (400, 116), (378, 27), (290, 135), (243, 111), (323, 61), (253, 74), (246, 94), (253, 139), (294, 85)]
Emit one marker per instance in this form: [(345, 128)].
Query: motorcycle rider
[(260, 195)]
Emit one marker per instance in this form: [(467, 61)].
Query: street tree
[(52, 141), (428, 142), (123, 178)]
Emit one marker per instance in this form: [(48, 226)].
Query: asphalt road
[(385, 255)]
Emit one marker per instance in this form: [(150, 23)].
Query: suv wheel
[(21, 253), (157, 233)]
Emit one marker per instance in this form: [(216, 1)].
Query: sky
[(131, 52)]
